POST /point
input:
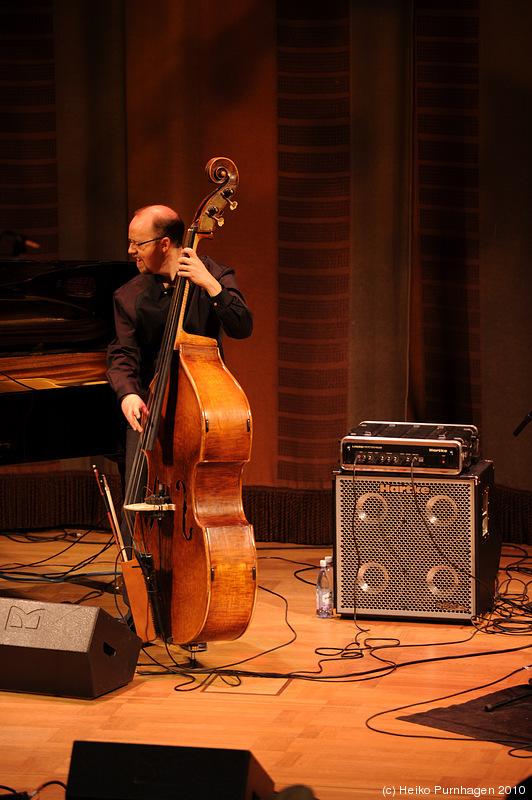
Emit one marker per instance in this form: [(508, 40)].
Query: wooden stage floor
[(304, 726)]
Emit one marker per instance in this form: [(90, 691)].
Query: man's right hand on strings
[(133, 407)]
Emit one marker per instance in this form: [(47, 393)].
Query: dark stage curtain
[(314, 187), (29, 206), (445, 367)]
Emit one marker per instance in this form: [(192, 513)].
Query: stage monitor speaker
[(419, 547), (64, 649), (117, 771)]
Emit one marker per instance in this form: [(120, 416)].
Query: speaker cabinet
[(418, 547), (62, 649), (117, 771)]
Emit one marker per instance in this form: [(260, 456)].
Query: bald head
[(163, 221)]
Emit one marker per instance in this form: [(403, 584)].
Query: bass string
[(154, 405)]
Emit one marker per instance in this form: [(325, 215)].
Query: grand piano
[(56, 319)]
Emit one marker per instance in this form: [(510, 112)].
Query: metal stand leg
[(192, 649)]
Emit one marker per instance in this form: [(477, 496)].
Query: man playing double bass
[(213, 306)]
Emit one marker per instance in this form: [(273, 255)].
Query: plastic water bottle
[(329, 563), (324, 592)]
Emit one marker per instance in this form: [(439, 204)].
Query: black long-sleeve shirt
[(141, 307)]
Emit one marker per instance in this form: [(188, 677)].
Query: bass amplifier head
[(418, 548)]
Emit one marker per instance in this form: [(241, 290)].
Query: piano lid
[(58, 307), (56, 319)]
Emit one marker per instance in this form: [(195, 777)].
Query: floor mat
[(508, 723)]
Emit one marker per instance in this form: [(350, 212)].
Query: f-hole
[(182, 490)]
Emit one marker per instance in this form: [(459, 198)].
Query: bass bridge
[(156, 506)]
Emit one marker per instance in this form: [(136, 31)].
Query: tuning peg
[(227, 194)]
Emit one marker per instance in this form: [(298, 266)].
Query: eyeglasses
[(139, 244)]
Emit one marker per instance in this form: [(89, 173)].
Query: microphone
[(523, 424), (21, 242)]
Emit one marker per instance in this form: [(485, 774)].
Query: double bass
[(190, 533)]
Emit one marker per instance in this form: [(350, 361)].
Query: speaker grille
[(402, 553)]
